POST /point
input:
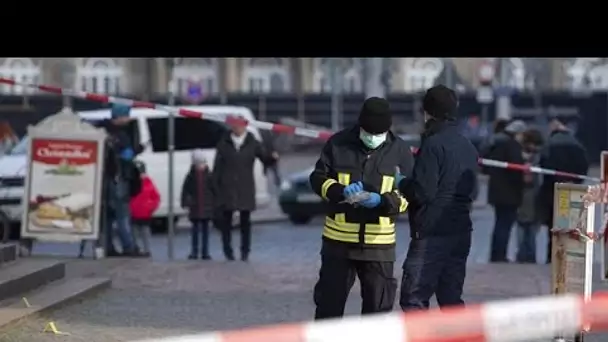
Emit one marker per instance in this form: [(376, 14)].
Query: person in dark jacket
[(440, 192), (527, 217), (198, 197), (120, 172), (234, 183), (506, 187), (359, 238), (562, 152)]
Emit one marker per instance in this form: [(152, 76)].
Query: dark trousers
[(550, 237), (434, 265), (504, 216), (200, 228), (245, 226), (336, 278), (526, 242)]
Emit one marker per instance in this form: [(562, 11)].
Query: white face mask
[(372, 140)]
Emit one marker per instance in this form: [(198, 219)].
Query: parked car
[(300, 203), (149, 127)]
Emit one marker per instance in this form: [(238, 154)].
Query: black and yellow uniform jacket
[(356, 232)]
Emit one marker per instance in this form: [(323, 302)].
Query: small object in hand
[(357, 197)]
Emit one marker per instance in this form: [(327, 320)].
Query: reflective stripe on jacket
[(345, 160)]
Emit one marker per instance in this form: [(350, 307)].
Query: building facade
[(217, 76)]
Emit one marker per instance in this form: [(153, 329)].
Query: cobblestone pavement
[(159, 298), (152, 298)]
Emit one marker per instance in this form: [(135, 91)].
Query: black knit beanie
[(440, 102), (375, 116)]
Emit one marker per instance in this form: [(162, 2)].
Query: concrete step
[(27, 274), (8, 252), (49, 296)]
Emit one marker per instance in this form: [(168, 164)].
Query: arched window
[(421, 73), (598, 77), (320, 78), (517, 77), (578, 71), (100, 75), (265, 75), (198, 70), (21, 70), (352, 81), (351, 73)]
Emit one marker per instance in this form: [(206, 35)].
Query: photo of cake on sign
[(62, 186)]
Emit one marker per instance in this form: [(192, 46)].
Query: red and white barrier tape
[(503, 321), (277, 128)]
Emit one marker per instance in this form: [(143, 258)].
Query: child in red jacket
[(143, 205)]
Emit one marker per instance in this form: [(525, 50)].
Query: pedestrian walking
[(233, 179), (562, 152), (440, 192), (527, 217), (143, 205), (198, 198), (505, 188), (359, 238)]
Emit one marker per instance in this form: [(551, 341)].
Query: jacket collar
[(248, 137), (559, 131), (433, 126)]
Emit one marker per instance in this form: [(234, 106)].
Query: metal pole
[(170, 151), (335, 73)]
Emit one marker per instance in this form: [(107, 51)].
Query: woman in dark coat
[(235, 185)]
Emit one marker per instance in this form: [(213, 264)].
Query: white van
[(149, 126)]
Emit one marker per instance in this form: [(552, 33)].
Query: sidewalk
[(159, 299)]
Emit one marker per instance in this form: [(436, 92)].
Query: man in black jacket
[(506, 187), (563, 152), (359, 238), (440, 192)]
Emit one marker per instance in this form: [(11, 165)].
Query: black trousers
[(504, 219), (200, 228), (435, 265), (336, 278), (245, 227)]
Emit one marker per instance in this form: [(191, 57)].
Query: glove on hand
[(398, 178), (371, 202), (353, 189)]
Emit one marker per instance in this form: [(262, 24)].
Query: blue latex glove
[(372, 202), (352, 189)]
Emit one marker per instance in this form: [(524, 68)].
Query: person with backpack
[(142, 206), (198, 197)]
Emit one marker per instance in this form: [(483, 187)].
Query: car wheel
[(300, 219)]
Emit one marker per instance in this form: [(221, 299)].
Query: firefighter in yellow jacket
[(359, 238)]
